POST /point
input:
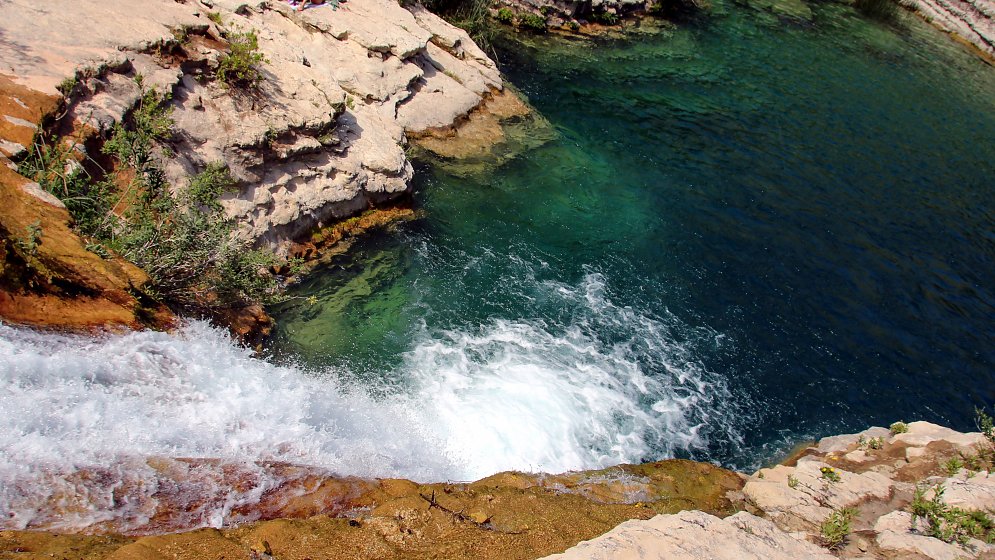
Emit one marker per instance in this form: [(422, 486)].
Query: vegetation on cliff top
[(183, 241)]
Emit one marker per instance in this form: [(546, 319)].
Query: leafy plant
[(606, 18), (949, 524), (792, 481), (837, 527), (67, 86), (830, 474), (953, 465), (875, 443), (215, 17), (32, 235), (184, 242), (505, 16), (239, 67), (533, 22), (208, 185), (899, 428)]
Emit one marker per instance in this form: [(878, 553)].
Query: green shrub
[(953, 465), (606, 18), (836, 527), (899, 428), (533, 22), (184, 242), (67, 86), (505, 16), (949, 524), (215, 17), (239, 67)]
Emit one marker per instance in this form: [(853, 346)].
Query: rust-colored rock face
[(311, 514), (49, 279)]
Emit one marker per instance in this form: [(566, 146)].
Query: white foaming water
[(511, 395)]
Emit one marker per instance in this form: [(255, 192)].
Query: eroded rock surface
[(321, 135), (789, 503)]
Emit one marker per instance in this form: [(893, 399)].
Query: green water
[(745, 232)]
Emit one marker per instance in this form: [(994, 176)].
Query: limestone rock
[(694, 535), (320, 137)]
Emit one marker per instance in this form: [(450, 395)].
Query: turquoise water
[(746, 232)]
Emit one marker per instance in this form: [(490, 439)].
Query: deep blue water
[(786, 230)]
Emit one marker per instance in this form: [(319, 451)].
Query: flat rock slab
[(694, 535)]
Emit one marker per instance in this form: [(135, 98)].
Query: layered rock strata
[(972, 21), (319, 137)]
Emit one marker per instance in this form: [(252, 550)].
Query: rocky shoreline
[(319, 137), (880, 478)]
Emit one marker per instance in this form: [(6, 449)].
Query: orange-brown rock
[(49, 279), (313, 515)]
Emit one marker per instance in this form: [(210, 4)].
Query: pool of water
[(747, 232)]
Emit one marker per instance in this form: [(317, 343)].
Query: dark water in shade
[(754, 231)]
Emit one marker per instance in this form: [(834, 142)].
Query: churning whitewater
[(508, 395)]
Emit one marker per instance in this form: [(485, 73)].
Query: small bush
[(184, 242), (899, 428), (606, 18), (505, 16), (215, 17), (533, 22), (875, 443), (239, 67), (208, 185), (949, 524), (792, 481), (67, 86), (836, 527), (953, 465)]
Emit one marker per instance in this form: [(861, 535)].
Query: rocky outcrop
[(313, 515), (972, 21), (320, 136), (665, 510), (875, 472)]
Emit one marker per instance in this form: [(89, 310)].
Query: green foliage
[(473, 16), (505, 16), (792, 481), (28, 244), (207, 186), (533, 22), (151, 121), (215, 17), (899, 428), (875, 443), (953, 465), (574, 26), (837, 527), (985, 424), (949, 524), (830, 474), (605, 18), (184, 242), (239, 67), (67, 86), (89, 202)]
